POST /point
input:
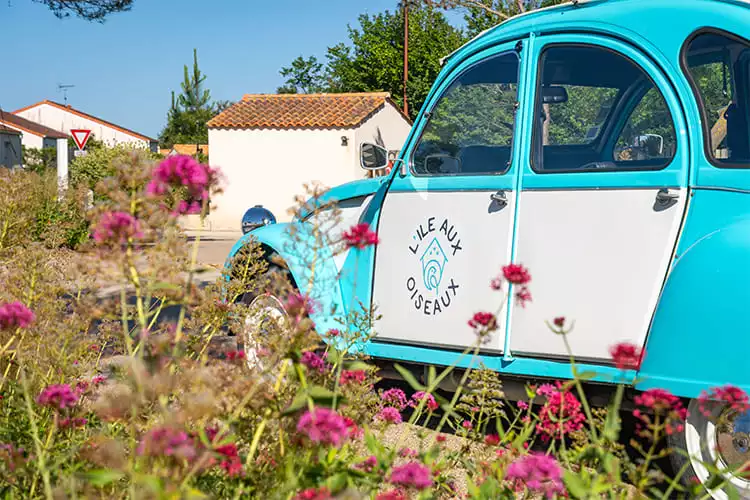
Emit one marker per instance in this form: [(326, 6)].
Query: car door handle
[(667, 195), (499, 197)]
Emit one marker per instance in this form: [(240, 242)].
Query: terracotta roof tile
[(24, 125), (290, 111), (8, 130)]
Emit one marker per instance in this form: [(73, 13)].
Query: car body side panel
[(700, 335)]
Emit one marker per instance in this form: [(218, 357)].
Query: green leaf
[(103, 477), (575, 484), (732, 492), (318, 392), (337, 482), (409, 377), (299, 402), (358, 365)]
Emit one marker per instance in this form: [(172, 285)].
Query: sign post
[(80, 137)]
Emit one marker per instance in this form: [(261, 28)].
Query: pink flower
[(728, 395), (369, 464), (483, 319), (235, 355), (352, 376), (523, 405), (99, 379), (117, 228), (72, 422), (412, 474), (523, 296), (313, 362), (516, 274), (182, 171), (324, 426), (167, 442), (334, 332), (59, 396), (419, 395), (300, 305), (538, 473), (321, 493), (664, 404), (395, 397), (231, 462), (496, 283), (559, 321), (353, 430), (560, 415), (390, 415), (467, 425), (360, 236), (626, 356), (546, 390), (15, 315), (492, 440)]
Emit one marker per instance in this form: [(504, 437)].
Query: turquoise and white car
[(605, 145)]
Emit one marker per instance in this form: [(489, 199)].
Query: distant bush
[(39, 160), (100, 162)]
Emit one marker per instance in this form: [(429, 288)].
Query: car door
[(446, 224), (603, 192)]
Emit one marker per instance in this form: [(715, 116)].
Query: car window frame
[(698, 97), (608, 127), (517, 52)]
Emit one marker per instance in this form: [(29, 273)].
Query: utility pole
[(406, 53)]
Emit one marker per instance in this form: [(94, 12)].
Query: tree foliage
[(90, 10), (191, 110), (372, 59)]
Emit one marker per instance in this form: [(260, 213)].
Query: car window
[(470, 129), (598, 110), (648, 134), (718, 66)]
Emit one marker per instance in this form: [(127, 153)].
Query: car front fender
[(700, 333), (310, 263)]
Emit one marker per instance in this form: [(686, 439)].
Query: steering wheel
[(592, 165)]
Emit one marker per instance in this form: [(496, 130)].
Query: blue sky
[(123, 70)]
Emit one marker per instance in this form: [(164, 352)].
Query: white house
[(10, 147), (269, 145), (65, 118)]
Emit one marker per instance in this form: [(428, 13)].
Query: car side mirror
[(372, 156), (554, 95)]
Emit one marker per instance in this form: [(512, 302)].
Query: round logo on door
[(434, 244)]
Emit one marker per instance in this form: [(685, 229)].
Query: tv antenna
[(64, 89)]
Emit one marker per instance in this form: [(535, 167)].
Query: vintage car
[(605, 145)]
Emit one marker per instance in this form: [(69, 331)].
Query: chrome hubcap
[(733, 442), (266, 315)]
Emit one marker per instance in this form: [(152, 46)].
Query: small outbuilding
[(269, 145), (10, 147)]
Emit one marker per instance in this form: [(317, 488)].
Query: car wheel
[(723, 438), (265, 314)]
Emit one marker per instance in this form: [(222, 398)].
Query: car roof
[(659, 23)]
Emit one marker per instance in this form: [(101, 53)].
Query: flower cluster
[(560, 415), (390, 415), (183, 171), (15, 315), (298, 305), (235, 355), (733, 397), (483, 323), (369, 464), (430, 402), (515, 274), (321, 493), (360, 236), (116, 228), (313, 362), (168, 442), (412, 474), (325, 426), (538, 473), (352, 376), (59, 397), (395, 397), (626, 356), (662, 404)]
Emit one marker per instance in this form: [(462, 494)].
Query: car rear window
[(718, 67)]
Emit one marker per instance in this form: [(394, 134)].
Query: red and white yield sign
[(80, 136)]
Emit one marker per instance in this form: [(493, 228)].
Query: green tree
[(189, 112), (373, 59), (481, 15), (90, 10), (303, 76)]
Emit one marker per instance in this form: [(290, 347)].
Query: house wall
[(10, 150), (59, 119)]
